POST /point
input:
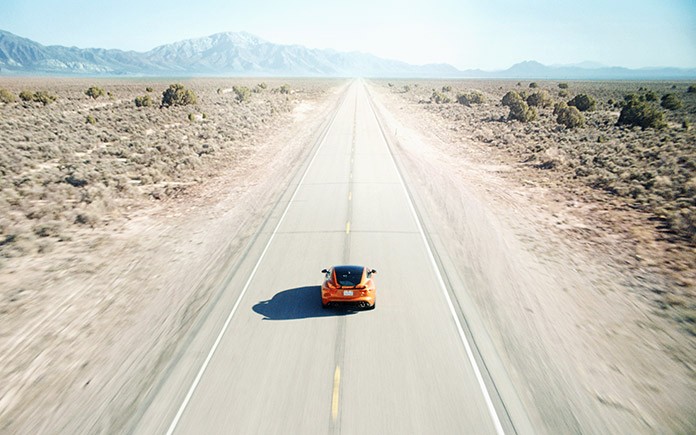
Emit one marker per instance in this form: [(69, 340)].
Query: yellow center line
[(347, 227), (334, 397)]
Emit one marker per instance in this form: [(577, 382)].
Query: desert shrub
[(191, 117), (558, 107), (284, 89), (540, 98), (143, 101), (94, 92), (406, 88), (520, 111), (90, 120), (671, 102), (149, 89), (691, 89), (563, 93), (570, 116), (686, 125), (262, 85), (242, 93), (641, 113), (6, 96), (26, 95), (563, 85), (42, 97), (177, 95), (447, 89), (651, 96), (439, 98), (533, 85), (583, 102), (510, 97), (473, 97)]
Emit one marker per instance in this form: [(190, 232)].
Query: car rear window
[(348, 275)]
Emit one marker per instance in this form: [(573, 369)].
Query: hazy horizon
[(490, 36)]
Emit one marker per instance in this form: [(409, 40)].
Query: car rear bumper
[(335, 297)]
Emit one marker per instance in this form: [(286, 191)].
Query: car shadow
[(298, 303)]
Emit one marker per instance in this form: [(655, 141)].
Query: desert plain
[(577, 244)]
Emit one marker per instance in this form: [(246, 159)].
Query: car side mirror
[(324, 271)]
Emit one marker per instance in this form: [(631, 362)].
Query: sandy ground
[(87, 329), (567, 306)]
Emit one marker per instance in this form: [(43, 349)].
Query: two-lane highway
[(273, 361)]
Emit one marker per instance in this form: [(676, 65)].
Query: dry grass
[(649, 173), (83, 161)]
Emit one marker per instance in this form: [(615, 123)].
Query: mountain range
[(243, 54)]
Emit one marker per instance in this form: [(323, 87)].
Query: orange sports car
[(350, 285)]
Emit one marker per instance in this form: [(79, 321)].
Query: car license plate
[(347, 292)]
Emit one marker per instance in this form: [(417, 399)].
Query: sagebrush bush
[(242, 93), (583, 102), (90, 120), (7, 96), (540, 98), (510, 97), (520, 111), (94, 92), (44, 97), (563, 93), (439, 98), (26, 95), (691, 89), (178, 95), (474, 97), (284, 89), (558, 107), (651, 96), (671, 102), (262, 85), (533, 85), (447, 89), (563, 85), (569, 116), (642, 114), (143, 101), (149, 89)]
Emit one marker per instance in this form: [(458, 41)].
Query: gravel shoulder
[(570, 310)]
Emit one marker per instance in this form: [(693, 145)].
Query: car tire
[(372, 307), (324, 306)]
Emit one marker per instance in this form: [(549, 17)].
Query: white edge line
[(197, 380), (443, 287)]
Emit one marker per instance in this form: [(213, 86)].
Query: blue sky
[(487, 34)]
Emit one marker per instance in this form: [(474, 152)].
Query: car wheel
[(324, 306), (372, 307)]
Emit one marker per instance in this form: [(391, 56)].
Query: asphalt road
[(269, 359)]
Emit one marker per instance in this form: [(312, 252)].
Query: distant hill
[(243, 54)]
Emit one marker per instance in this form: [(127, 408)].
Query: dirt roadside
[(91, 324), (570, 313)]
